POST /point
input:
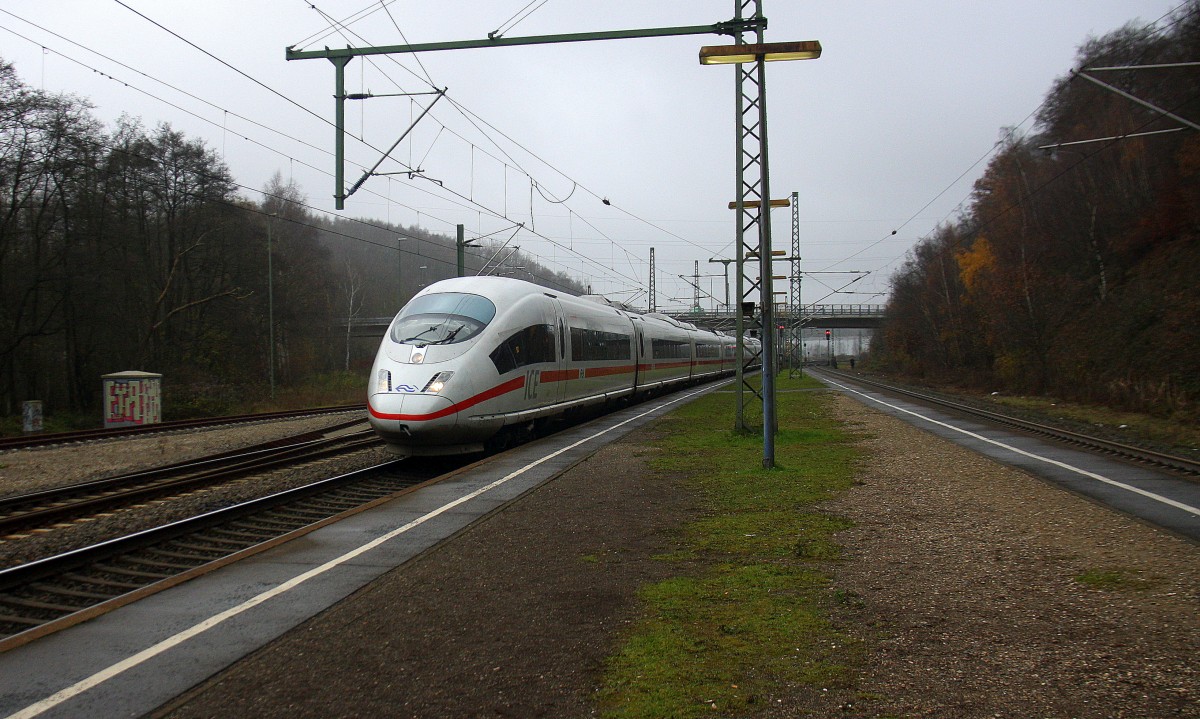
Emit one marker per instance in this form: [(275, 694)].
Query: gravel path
[(963, 579)]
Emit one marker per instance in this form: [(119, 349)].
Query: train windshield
[(442, 319)]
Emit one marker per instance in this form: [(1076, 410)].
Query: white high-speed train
[(478, 361)]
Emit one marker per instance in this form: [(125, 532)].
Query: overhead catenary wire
[(475, 121), (436, 191), (169, 103), (517, 18), (182, 109), (345, 22), (1008, 137), (531, 228), (226, 113), (148, 77), (468, 198)]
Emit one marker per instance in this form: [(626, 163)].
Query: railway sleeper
[(255, 526), (152, 562), (272, 523), (297, 512), (69, 591), (361, 496), (92, 580), (338, 504), (21, 621), (375, 493), (197, 555), (234, 534), (131, 572), (39, 604), (218, 545)]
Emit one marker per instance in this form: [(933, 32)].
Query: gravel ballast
[(32, 470)]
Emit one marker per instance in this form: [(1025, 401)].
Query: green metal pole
[(739, 325), (461, 245), (271, 305), (767, 263), (339, 64)]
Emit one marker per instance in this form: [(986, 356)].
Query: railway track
[(44, 596), (1181, 465), (73, 502), (56, 438)]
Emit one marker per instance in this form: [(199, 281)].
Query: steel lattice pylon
[(652, 304), (795, 324), (754, 232)]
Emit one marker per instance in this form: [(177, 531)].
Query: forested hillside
[(133, 248), (1073, 272)]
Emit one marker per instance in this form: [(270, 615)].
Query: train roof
[(504, 291)]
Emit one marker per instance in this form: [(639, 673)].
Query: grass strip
[(744, 620)]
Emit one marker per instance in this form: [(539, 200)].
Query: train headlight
[(384, 382), (417, 356), (438, 382)]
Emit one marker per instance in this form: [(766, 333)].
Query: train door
[(558, 390), (639, 353)]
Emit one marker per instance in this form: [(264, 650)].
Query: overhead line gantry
[(752, 188)]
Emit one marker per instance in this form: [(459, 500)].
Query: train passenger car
[(471, 360), (709, 356), (668, 351), (603, 348)]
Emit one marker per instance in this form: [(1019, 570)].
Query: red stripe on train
[(501, 389), (606, 371)]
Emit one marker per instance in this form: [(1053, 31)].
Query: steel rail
[(88, 498), (1179, 464), (43, 596), (38, 440)]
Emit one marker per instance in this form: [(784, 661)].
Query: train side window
[(588, 345), (577, 344), (531, 345), (671, 349), (503, 358)]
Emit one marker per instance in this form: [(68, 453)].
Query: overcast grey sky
[(908, 96)]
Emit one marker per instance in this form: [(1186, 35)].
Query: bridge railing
[(837, 310), (804, 311)]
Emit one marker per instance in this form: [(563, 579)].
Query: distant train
[(477, 362)]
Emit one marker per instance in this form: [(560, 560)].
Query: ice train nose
[(391, 409)]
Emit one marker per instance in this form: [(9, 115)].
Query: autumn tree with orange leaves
[(1073, 272)]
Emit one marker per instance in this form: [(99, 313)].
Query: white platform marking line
[(104, 675), (1047, 460)]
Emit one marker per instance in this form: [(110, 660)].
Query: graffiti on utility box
[(132, 399)]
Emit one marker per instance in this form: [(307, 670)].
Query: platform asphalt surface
[(1153, 496), (130, 661)]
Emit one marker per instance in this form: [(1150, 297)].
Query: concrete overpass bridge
[(811, 317)]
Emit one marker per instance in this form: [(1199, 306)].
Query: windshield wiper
[(417, 336), (447, 338)]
